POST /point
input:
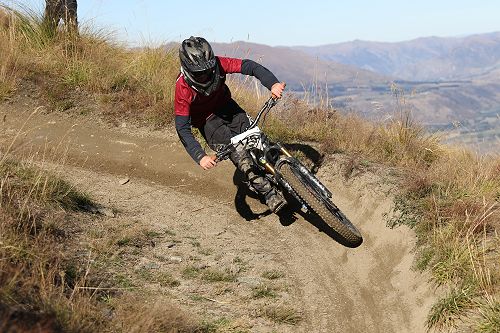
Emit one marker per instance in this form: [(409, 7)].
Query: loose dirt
[(318, 284)]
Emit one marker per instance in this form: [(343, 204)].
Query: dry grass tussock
[(125, 83), (398, 142), (49, 281), (454, 206), (36, 284)]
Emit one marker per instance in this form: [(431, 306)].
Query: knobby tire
[(333, 218)]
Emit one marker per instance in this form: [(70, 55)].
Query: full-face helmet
[(199, 65)]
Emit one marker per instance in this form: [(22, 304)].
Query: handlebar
[(265, 108)]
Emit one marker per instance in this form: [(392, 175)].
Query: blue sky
[(289, 22)]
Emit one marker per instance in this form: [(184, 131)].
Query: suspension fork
[(284, 151), (262, 162), (269, 168), (292, 160)]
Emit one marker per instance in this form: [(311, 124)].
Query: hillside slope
[(323, 286), (449, 197)]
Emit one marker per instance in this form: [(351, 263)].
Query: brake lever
[(222, 154)]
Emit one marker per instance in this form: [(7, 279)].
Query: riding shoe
[(275, 201)]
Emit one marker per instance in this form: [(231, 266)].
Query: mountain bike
[(287, 174)]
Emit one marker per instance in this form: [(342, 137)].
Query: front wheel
[(323, 207)]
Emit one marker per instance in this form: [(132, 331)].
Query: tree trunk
[(57, 10)]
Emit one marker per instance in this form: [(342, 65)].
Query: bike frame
[(269, 156)]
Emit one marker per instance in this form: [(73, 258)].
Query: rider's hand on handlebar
[(208, 162), (277, 89)]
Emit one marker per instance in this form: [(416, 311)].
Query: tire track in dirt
[(368, 289)]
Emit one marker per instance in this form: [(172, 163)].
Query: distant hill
[(422, 59), (299, 69)]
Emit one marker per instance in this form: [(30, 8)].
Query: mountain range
[(447, 82), (422, 59)]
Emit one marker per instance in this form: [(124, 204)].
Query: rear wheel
[(326, 209)]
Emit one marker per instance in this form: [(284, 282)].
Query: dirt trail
[(336, 289)]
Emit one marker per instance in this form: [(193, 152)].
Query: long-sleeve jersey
[(193, 108)]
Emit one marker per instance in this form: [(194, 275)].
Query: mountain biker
[(203, 100)]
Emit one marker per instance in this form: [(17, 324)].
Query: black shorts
[(225, 123)]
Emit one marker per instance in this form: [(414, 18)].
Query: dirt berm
[(324, 286)]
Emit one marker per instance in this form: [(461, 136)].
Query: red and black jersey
[(193, 108), (188, 102)]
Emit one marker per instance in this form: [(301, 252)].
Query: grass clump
[(264, 291), (208, 274), (273, 274), (151, 313), (191, 272), (135, 236), (281, 314), (223, 325), (490, 318), (165, 279), (26, 185), (215, 275), (450, 308)]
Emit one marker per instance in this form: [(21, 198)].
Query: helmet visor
[(203, 76)]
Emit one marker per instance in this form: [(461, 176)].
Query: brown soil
[(332, 288)]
